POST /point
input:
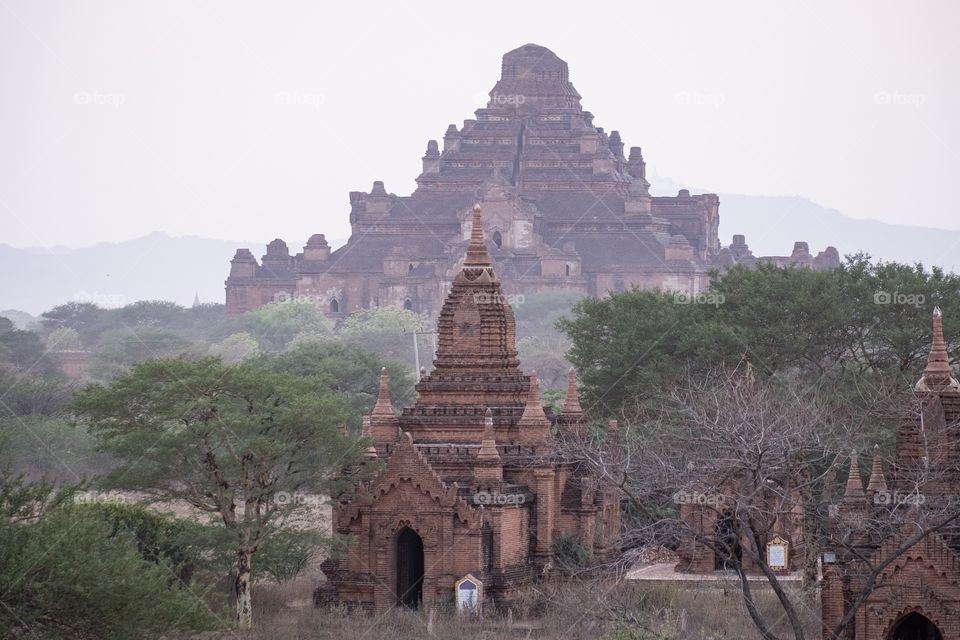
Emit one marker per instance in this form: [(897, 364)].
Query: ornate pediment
[(407, 470)]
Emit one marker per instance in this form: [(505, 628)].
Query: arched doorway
[(408, 305), (409, 568), (334, 306), (915, 626), (728, 553), (497, 239)]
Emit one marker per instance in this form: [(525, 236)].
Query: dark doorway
[(728, 553), (915, 627), (409, 568), (408, 305), (334, 306), (497, 239)]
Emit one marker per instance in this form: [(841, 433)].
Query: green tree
[(63, 339), (119, 349), (64, 573), (348, 369), (275, 325), (86, 318), (386, 332), (235, 348), (242, 442)]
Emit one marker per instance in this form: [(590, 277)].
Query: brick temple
[(473, 481), (917, 595), (564, 208)]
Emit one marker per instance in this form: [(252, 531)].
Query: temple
[(916, 593), (473, 479), (565, 208)]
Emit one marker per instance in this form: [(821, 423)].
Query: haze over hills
[(161, 267)]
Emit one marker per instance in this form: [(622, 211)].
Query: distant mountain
[(772, 224), (161, 267), (154, 267)]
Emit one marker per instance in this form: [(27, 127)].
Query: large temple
[(565, 208), (473, 480)]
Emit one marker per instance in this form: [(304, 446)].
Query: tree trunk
[(244, 606)]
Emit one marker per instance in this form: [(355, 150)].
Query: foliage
[(119, 349), (235, 348), (862, 320), (289, 553), (45, 447), (275, 325), (345, 368), (33, 394), (228, 440), (66, 574), (386, 332), (63, 339), (568, 552), (23, 351)]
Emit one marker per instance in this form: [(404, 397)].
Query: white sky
[(122, 118)]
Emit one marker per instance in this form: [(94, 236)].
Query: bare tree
[(727, 464)]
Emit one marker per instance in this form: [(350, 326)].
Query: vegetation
[(243, 442), (65, 572)]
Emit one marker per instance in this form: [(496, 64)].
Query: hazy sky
[(249, 121)]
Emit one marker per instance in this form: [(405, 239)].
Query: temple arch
[(410, 568), (914, 626), (498, 239)]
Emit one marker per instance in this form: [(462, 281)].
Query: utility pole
[(416, 349)]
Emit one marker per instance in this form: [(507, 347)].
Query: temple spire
[(613, 432), (534, 425), (571, 404), (384, 406), (854, 490), (488, 467), (488, 445), (477, 255), (938, 374), (877, 481), (371, 451)]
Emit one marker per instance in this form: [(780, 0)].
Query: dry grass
[(571, 611)]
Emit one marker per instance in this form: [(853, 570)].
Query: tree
[(64, 572), (86, 318), (63, 339), (119, 349), (235, 348), (244, 443), (730, 462), (275, 325), (346, 368), (385, 331), (23, 350)]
